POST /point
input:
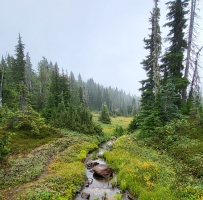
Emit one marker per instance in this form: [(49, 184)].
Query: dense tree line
[(118, 102), (165, 95), (61, 99)]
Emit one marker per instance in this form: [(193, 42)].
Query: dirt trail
[(9, 194)]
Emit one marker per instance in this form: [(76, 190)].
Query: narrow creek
[(99, 187)]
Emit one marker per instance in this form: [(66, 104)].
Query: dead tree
[(2, 79), (157, 47), (195, 78), (191, 49)]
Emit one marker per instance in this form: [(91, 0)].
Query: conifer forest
[(53, 123)]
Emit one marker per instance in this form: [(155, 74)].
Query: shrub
[(4, 140), (134, 124), (118, 130), (104, 115), (28, 120)]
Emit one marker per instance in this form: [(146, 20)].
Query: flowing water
[(100, 187)]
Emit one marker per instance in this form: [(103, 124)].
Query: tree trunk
[(1, 86), (195, 74), (23, 97), (157, 48), (190, 37)]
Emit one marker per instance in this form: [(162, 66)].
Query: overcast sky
[(100, 39)]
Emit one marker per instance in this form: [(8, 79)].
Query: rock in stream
[(103, 170), (99, 177)]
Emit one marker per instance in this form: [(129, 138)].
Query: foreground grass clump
[(52, 171), (65, 175), (182, 140), (141, 170), (25, 168)]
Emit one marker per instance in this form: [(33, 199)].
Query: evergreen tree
[(173, 58), (91, 87), (98, 98), (65, 89), (134, 107), (28, 73), (86, 97), (150, 64), (9, 90), (163, 109), (44, 80), (74, 89), (53, 99), (168, 109), (18, 67), (2, 67), (80, 82), (106, 99), (61, 117), (104, 115), (18, 73), (81, 101), (157, 46)]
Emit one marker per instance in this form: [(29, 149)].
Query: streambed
[(100, 186)]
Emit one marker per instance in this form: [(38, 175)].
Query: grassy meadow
[(53, 170), (115, 121), (167, 166), (141, 170), (49, 166)]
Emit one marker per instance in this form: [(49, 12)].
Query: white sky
[(100, 39)]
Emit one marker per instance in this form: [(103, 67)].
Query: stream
[(99, 187)]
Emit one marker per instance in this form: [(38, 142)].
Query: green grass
[(115, 121), (62, 159), (20, 138), (65, 174), (142, 170), (59, 154), (50, 165), (21, 142), (182, 142)]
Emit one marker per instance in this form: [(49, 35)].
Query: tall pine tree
[(172, 61), (18, 73), (150, 85)]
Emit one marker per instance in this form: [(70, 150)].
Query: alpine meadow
[(63, 136)]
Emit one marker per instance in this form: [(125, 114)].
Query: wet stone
[(90, 180), (97, 185), (90, 165), (103, 170), (85, 195), (131, 197)]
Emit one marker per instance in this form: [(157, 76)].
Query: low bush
[(4, 143), (28, 120), (134, 124), (118, 131)]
